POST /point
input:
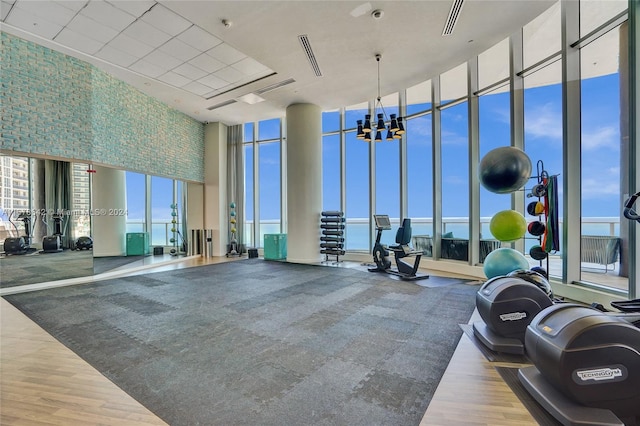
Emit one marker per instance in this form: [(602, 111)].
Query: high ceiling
[(213, 59)]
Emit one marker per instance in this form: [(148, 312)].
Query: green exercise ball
[(233, 214), (508, 225), (232, 205), (173, 229), (503, 261), (174, 221), (172, 240)]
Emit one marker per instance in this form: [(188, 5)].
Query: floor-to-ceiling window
[(248, 186), (543, 114), (494, 123), (455, 162), (602, 95), (269, 177), (161, 201), (136, 201), (420, 162), (331, 161), (357, 235)]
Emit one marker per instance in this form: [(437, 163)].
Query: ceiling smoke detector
[(377, 14)]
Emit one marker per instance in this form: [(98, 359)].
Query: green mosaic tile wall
[(56, 105), (45, 101)]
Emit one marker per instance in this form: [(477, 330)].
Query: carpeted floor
[(39, 267), (109, 263), (268, 343)]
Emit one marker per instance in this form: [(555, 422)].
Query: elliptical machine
[(53, 243), (20, 245), (401, 251)]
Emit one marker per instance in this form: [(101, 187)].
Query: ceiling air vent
[(222, 104), (304, 41), (452, 19), (274, 86)]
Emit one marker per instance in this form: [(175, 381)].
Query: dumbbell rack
[(332, 225)]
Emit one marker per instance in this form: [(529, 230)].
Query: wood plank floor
[(472, 392), (44, 383)]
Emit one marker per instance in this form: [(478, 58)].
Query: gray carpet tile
[(259, 342)]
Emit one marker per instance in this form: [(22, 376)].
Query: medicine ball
[(535, 208), (536, 228), (537, 253), (539, 190)]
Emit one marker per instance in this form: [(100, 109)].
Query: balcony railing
[(357, 236)]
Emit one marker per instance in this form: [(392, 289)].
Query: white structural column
[(215, 186), (304, 182), (109, 205)]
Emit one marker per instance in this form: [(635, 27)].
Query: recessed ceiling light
[(251, 98)]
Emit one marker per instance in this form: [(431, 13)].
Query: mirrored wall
[(47, 221)]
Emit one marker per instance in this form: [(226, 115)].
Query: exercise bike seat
[(404, 250), (403, 237)]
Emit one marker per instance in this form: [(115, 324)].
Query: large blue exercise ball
[(508, 225), (505, 169), (503, 261)]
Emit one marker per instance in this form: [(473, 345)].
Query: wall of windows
[(263, 180), (516, 98), (149, 201)]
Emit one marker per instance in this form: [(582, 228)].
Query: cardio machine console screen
[(382, 221)]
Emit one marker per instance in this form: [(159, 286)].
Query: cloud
[(606, 186), (543, 122), (420, 126), (454, 139), (602, 137)]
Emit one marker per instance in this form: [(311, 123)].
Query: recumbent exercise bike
[(401, 251)]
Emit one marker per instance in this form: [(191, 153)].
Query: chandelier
[(395, 128)]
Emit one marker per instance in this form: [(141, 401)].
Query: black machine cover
[(508, 304), (13, 245), (590, 356)]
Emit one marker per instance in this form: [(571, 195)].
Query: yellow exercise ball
[(508, 225)]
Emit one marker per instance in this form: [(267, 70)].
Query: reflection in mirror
[(154, 210), (45, 221)]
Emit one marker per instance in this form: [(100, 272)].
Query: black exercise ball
[(505, 169)]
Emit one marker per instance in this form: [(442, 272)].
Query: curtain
[(183, 226), (58, 193), (235, 180)]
